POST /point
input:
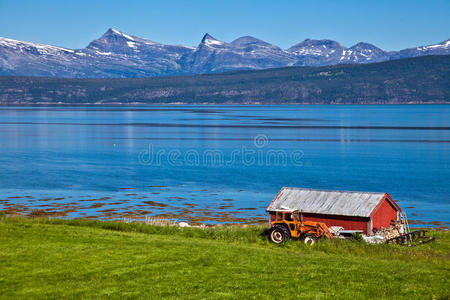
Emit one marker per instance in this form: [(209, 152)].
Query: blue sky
[(391, 25)]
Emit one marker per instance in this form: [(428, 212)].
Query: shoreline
[(171, 220)]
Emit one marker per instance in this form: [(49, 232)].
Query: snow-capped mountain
[(327, 52), (114, 42), (317, 52), (117, 54), (22, 58), (148, 58), (245, 53), (436, 49), (363, 53)]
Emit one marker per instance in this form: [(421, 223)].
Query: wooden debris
[(394, 230)]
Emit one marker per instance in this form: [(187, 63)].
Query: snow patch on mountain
[(103, 53), (443, 45), (213, 42), (122, 34), (43, 49), (131, 44), (363, 53), (210, 41)]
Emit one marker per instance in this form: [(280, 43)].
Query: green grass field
[(50, 258)]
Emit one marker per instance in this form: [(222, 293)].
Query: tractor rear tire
[(309, 239), (278, 234)]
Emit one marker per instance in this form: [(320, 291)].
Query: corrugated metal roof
[(360, 204)]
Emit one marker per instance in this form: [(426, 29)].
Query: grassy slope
[(56, 258)]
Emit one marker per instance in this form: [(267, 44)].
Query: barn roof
[(344, 203)]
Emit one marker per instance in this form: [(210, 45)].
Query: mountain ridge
[(117, 54)]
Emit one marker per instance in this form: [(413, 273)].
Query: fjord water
[(222, 158)]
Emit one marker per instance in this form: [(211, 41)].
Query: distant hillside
[(414, 80)]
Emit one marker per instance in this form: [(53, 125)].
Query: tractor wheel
[(310, 239), (278, 234)]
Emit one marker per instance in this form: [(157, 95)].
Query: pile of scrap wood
[(394, 230)]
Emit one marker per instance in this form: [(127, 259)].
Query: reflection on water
[(219, 163)]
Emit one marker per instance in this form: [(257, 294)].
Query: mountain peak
[(364, 46), (247, 40), (117, 41), (323, 48), (209, 40), (207, 36), (311, 42), (114, 32)]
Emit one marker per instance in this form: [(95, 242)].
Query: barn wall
[(349, 223), (383, 214)]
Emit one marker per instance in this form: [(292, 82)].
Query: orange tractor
[(286, 225)]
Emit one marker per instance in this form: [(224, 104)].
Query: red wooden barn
[(352, 210)]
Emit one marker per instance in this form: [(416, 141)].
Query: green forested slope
[(415, 80)]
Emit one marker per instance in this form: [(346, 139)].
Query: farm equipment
[(400, 233), (412, 238), (286, 225)]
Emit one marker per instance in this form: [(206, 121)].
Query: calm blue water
[(217, 160)]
